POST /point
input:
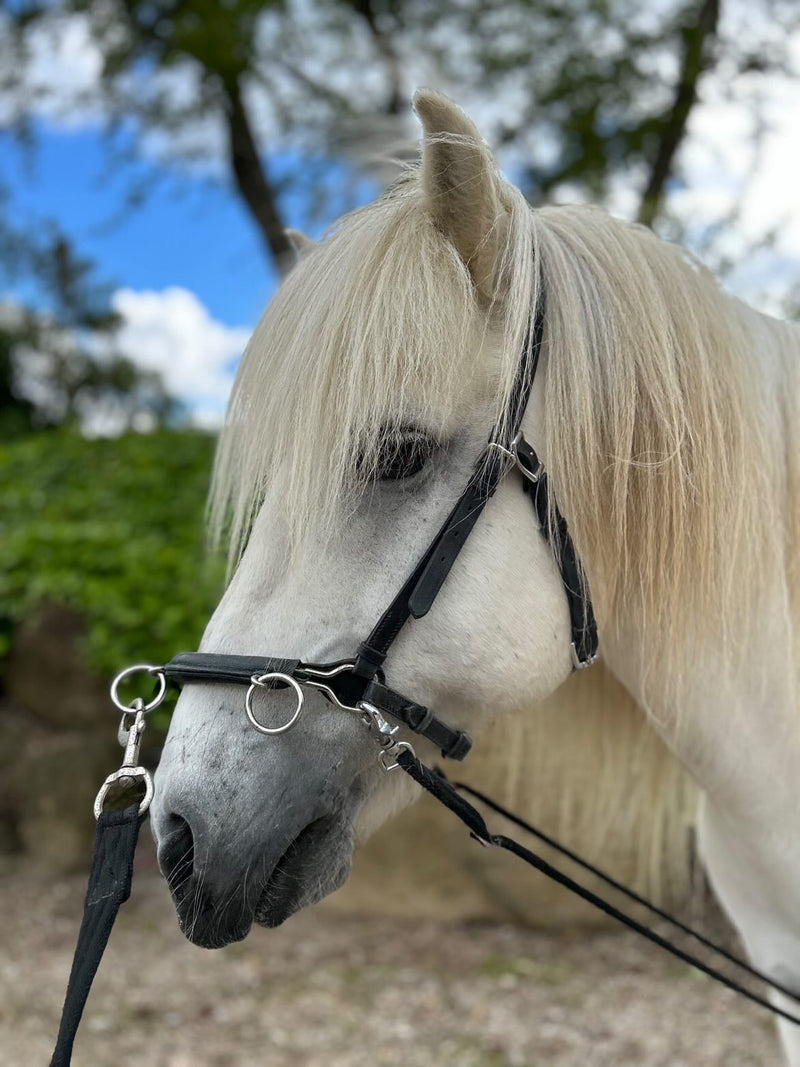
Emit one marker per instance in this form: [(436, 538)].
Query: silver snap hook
[(130, 771), (261, 681)]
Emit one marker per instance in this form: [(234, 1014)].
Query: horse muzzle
[(251, 832)]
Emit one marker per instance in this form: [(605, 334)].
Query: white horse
[(667, 415)]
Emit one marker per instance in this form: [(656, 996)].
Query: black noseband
[(338, 681)]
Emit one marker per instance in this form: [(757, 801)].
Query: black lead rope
[(109, 887), (445, 792)]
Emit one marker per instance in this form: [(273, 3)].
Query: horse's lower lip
[(199, 919), (316, 863)]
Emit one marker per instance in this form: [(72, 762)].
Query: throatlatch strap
[(581, 614), (109, 887), (443, 791)]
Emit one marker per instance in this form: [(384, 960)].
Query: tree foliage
[(58, 364), (597, 93), (113, 529)]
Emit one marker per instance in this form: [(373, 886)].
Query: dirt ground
[(340, 991)]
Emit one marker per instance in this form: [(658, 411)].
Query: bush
[(114, 529)]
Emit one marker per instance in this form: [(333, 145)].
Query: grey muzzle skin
[(252, 828)]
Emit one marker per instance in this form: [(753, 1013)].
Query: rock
[(54, 783), (58, 742), (13, 736), (47, 673)]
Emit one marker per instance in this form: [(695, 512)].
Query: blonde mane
[(655, 407), (661, 432)]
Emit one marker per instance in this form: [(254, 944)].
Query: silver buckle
[(312, 676), (384, 734), (581, 664), (262, 681), (131, 738), (533, 474)]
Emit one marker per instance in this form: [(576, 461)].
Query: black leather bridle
[(359, 684)]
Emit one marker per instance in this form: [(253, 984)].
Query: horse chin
[(199, 919), (316, 863)]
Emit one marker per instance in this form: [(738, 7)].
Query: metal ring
[(260, 681), (156, 672), (125, 772)]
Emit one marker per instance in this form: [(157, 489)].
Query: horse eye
[(403, 455)]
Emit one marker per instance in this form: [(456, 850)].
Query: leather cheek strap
[(585, 642), (454, 744)]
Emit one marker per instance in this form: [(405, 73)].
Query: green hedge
[(113, 528)]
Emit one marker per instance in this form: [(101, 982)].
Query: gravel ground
[(327, 989)]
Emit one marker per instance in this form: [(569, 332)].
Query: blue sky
[(187, 265), (188, 232)]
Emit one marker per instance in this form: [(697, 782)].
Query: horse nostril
[(176, 852)]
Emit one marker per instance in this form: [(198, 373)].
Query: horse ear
[(302, 244), (460, 179)]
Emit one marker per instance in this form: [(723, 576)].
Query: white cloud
[(62, 73), (63, 86), (173, 333)]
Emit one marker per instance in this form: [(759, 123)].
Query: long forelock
[(377, 325)]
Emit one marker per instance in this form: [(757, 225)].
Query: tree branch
[(697, 58), (395, 102), (252, 182)]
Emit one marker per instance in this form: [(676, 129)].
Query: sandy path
[(344, 992)]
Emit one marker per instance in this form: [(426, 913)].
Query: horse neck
[(777, 346)]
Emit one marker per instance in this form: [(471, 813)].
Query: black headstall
[(359, 684)]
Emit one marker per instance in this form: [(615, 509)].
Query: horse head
[(362, 402)]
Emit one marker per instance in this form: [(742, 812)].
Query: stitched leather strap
[(213, 667), (188, 667), (454, 744), (581, 614), (454, 533), (109, 887)]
